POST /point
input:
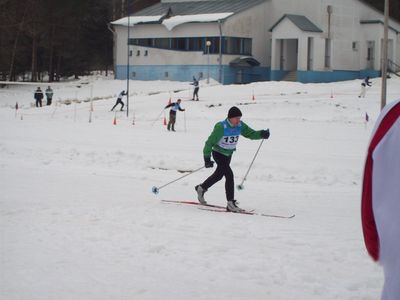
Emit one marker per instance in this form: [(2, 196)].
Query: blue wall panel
[(186, 73), (277, 75), (331, 76), (232, 75)]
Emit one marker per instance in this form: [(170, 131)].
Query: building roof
[(378, 22), (302, 22), (198, 7)]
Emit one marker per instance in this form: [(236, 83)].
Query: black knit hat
[(234, 112)]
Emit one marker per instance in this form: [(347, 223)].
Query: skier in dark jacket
[(49, 95), (119, 101), (221, 144), (38, 97), (196, 89), (364, 85), (175, 106)]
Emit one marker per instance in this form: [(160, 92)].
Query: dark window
[(214, 48), (178, 44), (146, 42), (162, 43), (196, 44), (246, 46), (230, 45)]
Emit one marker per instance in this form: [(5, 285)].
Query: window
[(130, 53), (133, 74), (354, 46), (138, 53), (162, 43), (178, 44), (246, 46), (230, 45), (166, 74), (214, 48), (146, 53), (233, 46), (147, 42), (195, 44)]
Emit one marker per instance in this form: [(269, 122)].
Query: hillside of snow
[(78, 219)]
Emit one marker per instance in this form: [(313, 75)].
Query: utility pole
[(220, 52), (385, 54), (127, 64), (208, 44)]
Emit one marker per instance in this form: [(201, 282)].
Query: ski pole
[(240, 186), (156, 189), (157, 117), (184, 118)]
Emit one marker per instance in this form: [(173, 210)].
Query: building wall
[(345, 29), (184, 64), (162, 56), (250, 23), (346, 62)]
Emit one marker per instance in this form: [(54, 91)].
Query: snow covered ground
[(78, 219)]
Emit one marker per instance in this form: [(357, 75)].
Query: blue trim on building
[(277, 75), (336, 75), (230, 74)]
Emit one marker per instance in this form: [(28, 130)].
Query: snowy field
[(78, 219)]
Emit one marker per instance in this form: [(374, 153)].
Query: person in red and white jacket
[(380, 203)]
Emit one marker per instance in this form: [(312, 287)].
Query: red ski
[(219, 208), (193, 203), (251, 212)]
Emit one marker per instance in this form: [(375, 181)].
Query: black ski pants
[(223, 169), (172, 120), (119, 101), (196, 94)]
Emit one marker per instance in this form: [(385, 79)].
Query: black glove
[(265, 134), (208, 163)]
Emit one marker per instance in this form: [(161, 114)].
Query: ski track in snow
[(78, 219)]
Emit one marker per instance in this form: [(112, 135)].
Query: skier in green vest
[(221, 144)]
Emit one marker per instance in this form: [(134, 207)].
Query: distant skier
[(49, 95), (38, 97), (380, 202), (175, 106), (364, 87), (119, 101), (221, 144), (195, 83)]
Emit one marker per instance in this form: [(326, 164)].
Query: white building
[(235, 41)]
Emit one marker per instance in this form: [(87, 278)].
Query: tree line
[(59, 38), (56, 38)]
